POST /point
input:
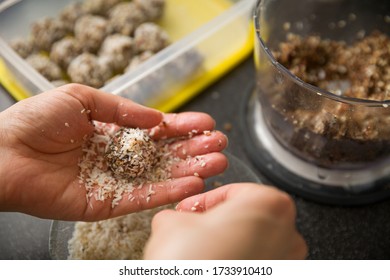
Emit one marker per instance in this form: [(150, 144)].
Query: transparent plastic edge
[(23, 67), (297, 80), (145, 69), (180, 47), (358, 179), (7, 3)]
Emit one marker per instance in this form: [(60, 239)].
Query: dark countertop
[(360, 232)]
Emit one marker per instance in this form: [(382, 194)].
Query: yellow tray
[(182, 18)]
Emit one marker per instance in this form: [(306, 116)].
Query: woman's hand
[(237, 221), (41, 142)]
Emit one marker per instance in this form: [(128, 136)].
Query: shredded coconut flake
[(101, 182), (119, 238), (123, 237)]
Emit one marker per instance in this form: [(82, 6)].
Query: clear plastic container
[(209, 38), (307, 138)]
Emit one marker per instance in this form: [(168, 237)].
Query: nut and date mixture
[(45, 32), (89, 69), (102, 29), (64, 51), (363, 67), (131, 152), (323, 129), (119, 50), (124, 18), (90, 31), (45, 66), (150, 37)]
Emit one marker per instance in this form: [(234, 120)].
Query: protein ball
[(130, 153), (87, 69), (150, 37), (45, 66), (138, 59), (153, 9), (99, 7), (70, 14), (64, 51), (125, 17), (90, 32), (119, 49), (46, 31), (22, 46), (185, 65)]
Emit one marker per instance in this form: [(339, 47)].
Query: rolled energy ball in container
[(90, 32), (125, 17), (64, 51), (146, 89), (107, 63), (99, 7), (110, 62), (186, 65), (130, 153), (153, 9), (45, 66), (70, 14), (23, 47), (46, 31), (138, 59), (150, 37), (87, 69), (120, 49)]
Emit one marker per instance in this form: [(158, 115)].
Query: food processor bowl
[(316, 141)]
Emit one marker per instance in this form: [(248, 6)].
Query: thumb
[(111, 108), (162, 218)]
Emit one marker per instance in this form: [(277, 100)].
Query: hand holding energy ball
[(237, 221), (41, 142)]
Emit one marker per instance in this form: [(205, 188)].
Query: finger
[(265, 198), (146, 196), (203, 202), (169, 218), (299, 249), (202, 166), (208, 200), (214, 141), (162, 217), (153, 195), (110, 108), (183, 124)]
